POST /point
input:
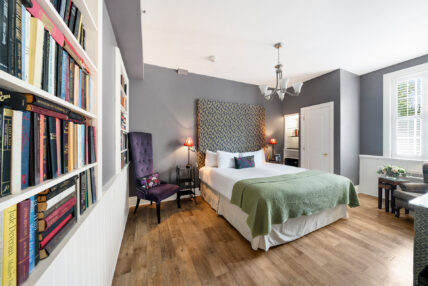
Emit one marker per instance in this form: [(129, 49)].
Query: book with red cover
[(49, 247), (55, 231), (58, 213), (23, 254), (46, 112)]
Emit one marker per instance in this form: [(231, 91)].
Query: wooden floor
[(194, 246)]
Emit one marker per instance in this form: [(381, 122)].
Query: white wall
[(89, 257)]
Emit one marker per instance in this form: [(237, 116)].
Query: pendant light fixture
[(281, 83)]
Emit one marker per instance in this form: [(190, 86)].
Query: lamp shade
[(283, 83), (297, 87), (188, 142), (272, 141), (263, 89)]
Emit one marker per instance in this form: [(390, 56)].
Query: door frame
[(303, 112)]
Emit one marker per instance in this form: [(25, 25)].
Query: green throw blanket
[(273, 200)]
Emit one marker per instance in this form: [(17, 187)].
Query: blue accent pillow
[(244, 162)]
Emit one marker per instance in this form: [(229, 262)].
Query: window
[(406, 113)]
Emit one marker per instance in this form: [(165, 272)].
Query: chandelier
[(281, 83)]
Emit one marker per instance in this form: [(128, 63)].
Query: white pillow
[(246, 154), (226, 159), (259, 158), (210, 159)]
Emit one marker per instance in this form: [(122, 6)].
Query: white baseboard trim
[(132, 201)]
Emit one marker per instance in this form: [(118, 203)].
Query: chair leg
[(178, 200), (407, 211), (158, 211), (397, 212), (136, 207), (151, 202)]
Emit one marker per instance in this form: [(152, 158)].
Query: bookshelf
[(122, 109), (92, 57)]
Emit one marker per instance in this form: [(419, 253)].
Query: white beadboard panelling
[(370, 164), (89, 257)]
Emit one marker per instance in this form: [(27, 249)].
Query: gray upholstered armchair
[(409, 191)]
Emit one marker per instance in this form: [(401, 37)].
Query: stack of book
[(124, 158), (39, 141), (123, 140), (72, 16), (40, 55), (32, 229)]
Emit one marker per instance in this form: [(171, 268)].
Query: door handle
[(325, 154)]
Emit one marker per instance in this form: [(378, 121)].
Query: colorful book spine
[(55, 231), (93, 185), (35, 150), (23, 39), (5, 152), (4, 66), (50, 203), (58, 145), (18, 38), (52, 147), (23, 230), (79, 102), (36, 232), (32, 238), (64, 75), (49, 247), (65, 148), (47, 231), (59, 212), (26, 54), (25, 149), (15, 180), (11, 36), (42, 149), (9, 246), (1, 237)]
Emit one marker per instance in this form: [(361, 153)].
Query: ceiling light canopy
[(281, 83)]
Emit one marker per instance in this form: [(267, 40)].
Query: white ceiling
[(319, 35)]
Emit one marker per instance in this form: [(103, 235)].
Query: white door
[(317, 137)]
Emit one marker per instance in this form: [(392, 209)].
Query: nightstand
[(187, 180)]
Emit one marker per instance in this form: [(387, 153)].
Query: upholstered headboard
[(226, 126)]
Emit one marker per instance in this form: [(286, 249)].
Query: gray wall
[(371, 104), (349, 125), (164, 104), (319, 90), (108, 96)]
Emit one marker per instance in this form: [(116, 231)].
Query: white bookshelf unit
[(92, 11), (122, 111)]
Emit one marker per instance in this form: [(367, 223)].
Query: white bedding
[(223, 179)]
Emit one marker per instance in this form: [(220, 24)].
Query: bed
[(240, 128)]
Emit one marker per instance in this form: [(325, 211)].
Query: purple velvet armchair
[(142, 159)]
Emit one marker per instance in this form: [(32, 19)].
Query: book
[(46, 112), (15, 180), (36, 232), (64, 145), (58, 145), (1, 240), (83, 192), (11, 36), (45, 213), (23, 38), (43, 206), (25, 149), (4, 41), (50, 247), (36, 52), (70, 79), (93, 185), (67, 11), (43, 149), (55, 231), (45, 61), (34, 169), (5, 149), (76, 85), (13, 100), (41, 102), (23, 232), (18, 39), (32, 237), (72, 19), (9, 246), (89, 188), (64, 75), (56, 190), (48, 231), (77, 23), (62, 7), (52, 66), (48, 221), (52, 144), (70, 146), (26, 45)]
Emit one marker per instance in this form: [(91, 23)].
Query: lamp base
[(188, 166)]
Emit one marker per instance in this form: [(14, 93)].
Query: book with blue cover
[(64, 75), (32, 236), (25, 155)]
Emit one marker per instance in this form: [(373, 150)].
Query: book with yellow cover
[(9, 247)]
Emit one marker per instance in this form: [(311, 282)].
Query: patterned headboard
[(226, 126)]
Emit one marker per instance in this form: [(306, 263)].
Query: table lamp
[(273, 143), (189, 144)]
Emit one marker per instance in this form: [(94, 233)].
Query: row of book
[(32, 229), (123, 140), (124, 158), (72, 16), (32, 54), (37, 143)]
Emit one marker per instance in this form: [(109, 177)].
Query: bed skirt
[(281, 233)]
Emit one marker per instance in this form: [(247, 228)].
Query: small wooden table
[(388, 184)]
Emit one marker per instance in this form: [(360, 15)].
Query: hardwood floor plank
[(195, 246)]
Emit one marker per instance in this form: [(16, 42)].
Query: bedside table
[(275, 162), (187, 180)]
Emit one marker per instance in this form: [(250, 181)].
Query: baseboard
[(132, 201)]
